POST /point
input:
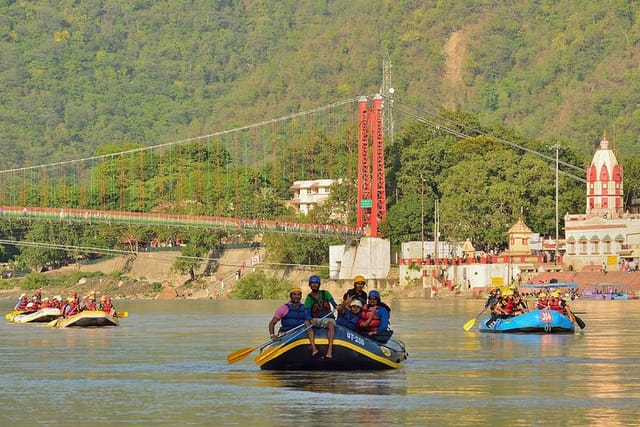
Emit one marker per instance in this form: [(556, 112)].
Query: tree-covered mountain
[(76, 75)]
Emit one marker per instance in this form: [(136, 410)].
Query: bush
[(257, 285), (34, 281)]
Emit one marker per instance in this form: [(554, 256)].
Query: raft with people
[(43, 315), (509, 312), (535, 321), (351, 351), (312, 338), (87, 318)]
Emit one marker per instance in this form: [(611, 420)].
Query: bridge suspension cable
[(437, 122)]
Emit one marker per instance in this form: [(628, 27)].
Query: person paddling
[(291, 315)]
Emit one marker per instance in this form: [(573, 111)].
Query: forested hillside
[(75, 75)]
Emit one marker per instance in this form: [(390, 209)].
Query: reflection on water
[(166, 365), (347, 383)]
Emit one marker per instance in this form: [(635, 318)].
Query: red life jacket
[(555, 304), (508, 307), (367, 312)]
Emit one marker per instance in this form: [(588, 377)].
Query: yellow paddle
[(240, 354), (122, 314), (467, 326), (267, 353), (13, 314), (53, 323)]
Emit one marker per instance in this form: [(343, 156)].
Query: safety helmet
[(356, 302), (295, 289), (359, 278), (314, 279), (374, 294)]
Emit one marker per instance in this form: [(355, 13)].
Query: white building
[(308, 194), (605, 232)]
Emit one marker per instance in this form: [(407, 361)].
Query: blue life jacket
[(295, 317), (349, 320)]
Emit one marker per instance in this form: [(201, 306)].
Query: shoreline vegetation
[(153, 278)]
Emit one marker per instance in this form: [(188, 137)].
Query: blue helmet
[(374, 294), (314, 279)]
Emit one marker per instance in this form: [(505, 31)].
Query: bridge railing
[(177, 220)]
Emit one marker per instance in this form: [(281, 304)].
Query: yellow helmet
[(359, 278)]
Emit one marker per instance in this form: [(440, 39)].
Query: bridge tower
[(372, 199)]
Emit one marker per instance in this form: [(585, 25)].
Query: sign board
[(366, 203), (497, 281)]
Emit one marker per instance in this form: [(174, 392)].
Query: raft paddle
[(467, 326), (122, 314), (53, 323), (240, 354), (267, 353), (13, 314), (575, 318)]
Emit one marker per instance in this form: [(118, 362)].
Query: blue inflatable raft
[(535, 321)]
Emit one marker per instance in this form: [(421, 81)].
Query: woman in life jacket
[(349, 319), (374, 319), (21, 305)]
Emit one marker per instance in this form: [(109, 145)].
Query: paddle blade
[(11, 315), (467, 326), (266, 354), (579, 322), (122, 314), (53, 323), (238, 355)]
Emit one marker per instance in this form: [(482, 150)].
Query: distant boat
[(605, 291), (536, 321), (539, 320), (44, 315), (87, 318)]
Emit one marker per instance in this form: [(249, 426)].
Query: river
[(166, 366)]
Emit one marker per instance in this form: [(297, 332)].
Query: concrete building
[(605, 234), (308, 194)]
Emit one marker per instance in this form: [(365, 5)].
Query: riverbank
[(149, 275)]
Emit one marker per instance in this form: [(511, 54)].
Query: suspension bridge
[(236, 179)]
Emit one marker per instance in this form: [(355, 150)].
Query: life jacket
[(508, 307), (91, 306), (554, 304), (22, 304), (349, 320), (106, 307), (31, 307), (70, 309), (294, 317), (321, 306), (365, 314)]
